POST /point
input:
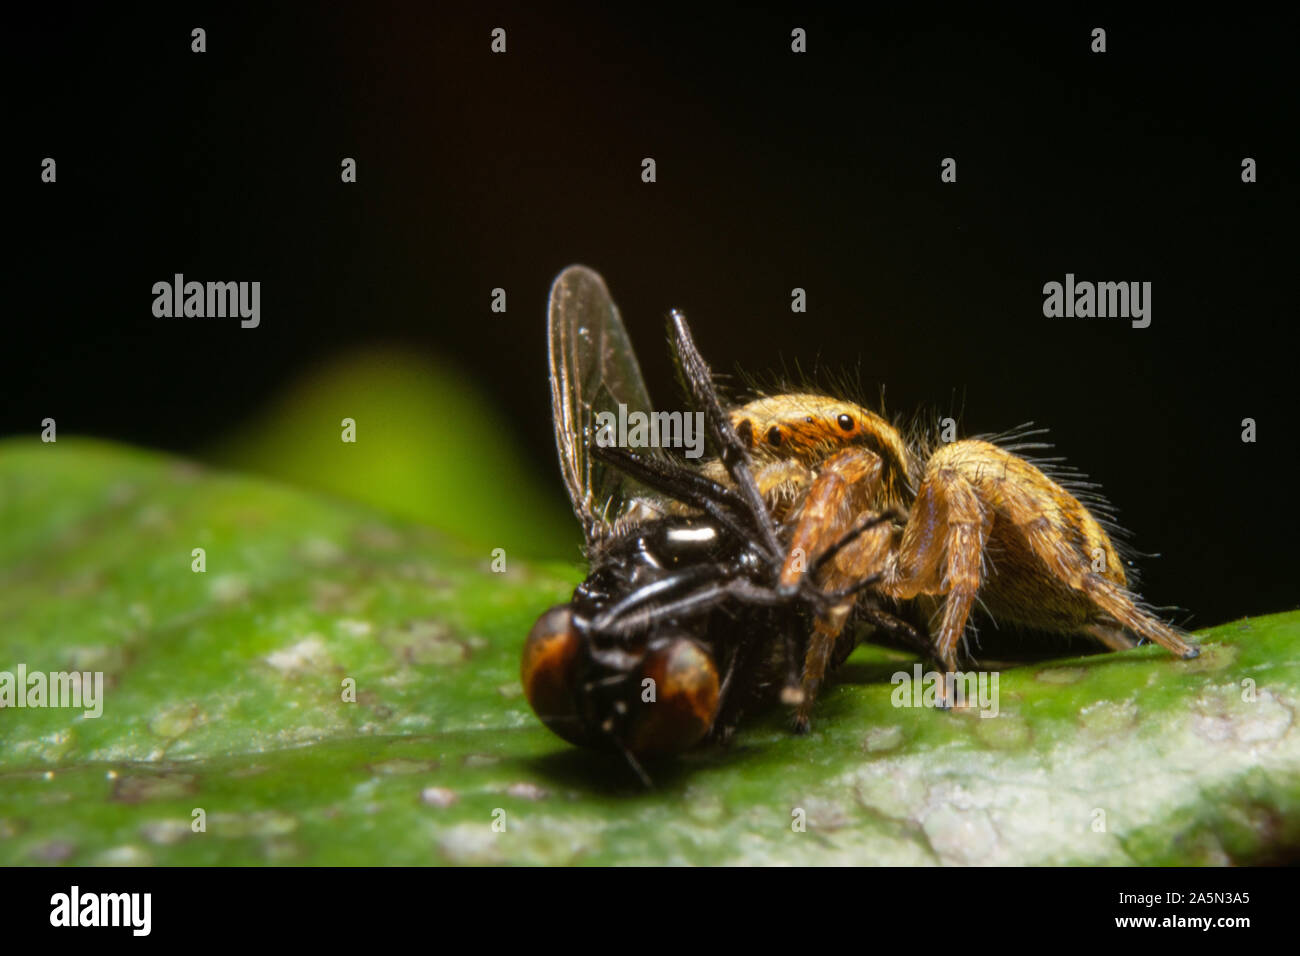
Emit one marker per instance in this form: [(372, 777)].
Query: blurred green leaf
[(430, 446), (224, 693)]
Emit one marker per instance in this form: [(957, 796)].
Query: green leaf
[(430, 446), (224, 692)]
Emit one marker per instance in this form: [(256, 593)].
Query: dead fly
[(682, 617), (706, 582)]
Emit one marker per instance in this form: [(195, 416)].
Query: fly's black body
[(660, 653)]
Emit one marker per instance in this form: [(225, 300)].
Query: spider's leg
[(828, 512), (1112, 637), (1117, 602), (838, 540), (1059, 571), (735, 458), (942, 552), (826, 632), (1068, 543), (865, 523)]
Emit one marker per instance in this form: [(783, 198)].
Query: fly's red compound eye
[(547, 673), (685, 699)]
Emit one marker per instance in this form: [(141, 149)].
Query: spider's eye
[(845, 422), (685, 692), (547, 673), (774, 436)]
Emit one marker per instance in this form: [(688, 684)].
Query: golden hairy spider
[(978, 523)]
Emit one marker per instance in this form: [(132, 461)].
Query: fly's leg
[(735, 458), (705, 597), (779, 482), (697, 491)]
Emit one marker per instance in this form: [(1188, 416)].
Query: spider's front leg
[(842, 494)]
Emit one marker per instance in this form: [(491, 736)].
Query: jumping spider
[(979, 522)]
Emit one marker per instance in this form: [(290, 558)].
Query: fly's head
[(643, 694)]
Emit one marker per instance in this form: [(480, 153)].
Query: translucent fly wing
[(593, 370)]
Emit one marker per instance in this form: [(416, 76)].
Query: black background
[(775, 170)]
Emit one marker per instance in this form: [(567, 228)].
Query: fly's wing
[(593, 370)]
